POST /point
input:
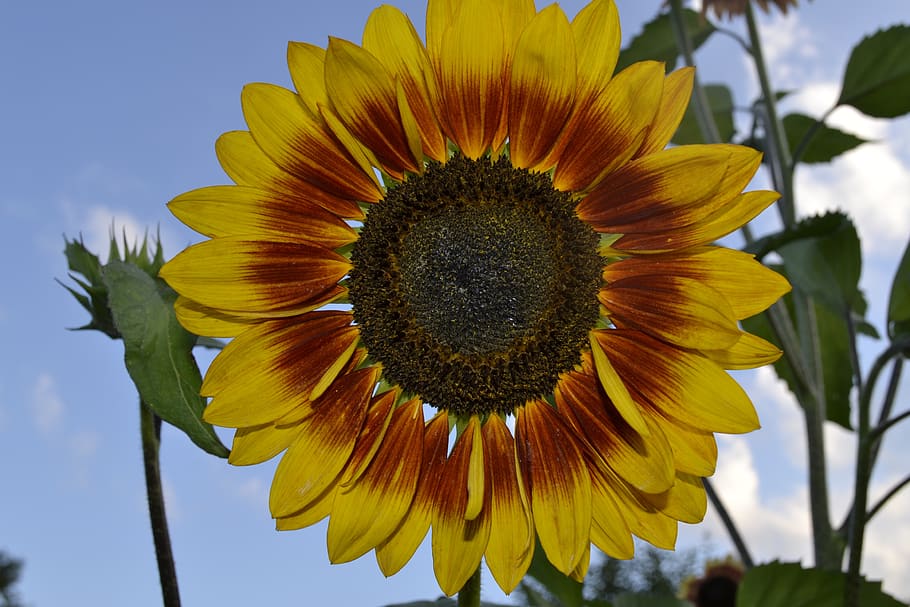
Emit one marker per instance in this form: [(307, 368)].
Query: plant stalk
[(469, 595), (150, 428), (735, 536)]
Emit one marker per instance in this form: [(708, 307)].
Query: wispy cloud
[(46, 406)]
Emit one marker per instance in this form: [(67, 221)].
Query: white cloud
[(46, 406), (789, 47)]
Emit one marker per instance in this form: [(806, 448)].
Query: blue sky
[(112, 108)]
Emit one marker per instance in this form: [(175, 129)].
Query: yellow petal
[(609, 530), (597, 36), (645, 463), (299, 144), (642, 517), (260, 215), (470, 72), (363, 95), (614, 386), (233, 274), (260, 443), (367, 512), (729, 217), (392, 39), (312, 513), (674, 308), (694, 451), (542, 86), (581, 570), (558, 483), (306, 62), (259, 376), (747, 285), (749, 352), (685, 501), (458, 543), (476, 476), (669, 189), (673, 104), (247, 164), (511, 543), (202, 320), (683, 384), (604, 133), (397, 550), (379, 414), (330, 432)]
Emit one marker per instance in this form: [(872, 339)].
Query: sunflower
[(732, 8), (470, 291)]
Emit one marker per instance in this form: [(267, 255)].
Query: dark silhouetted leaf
[(721, 100), (877, 78), (899, 301), (789, 585), (826, 143), (826, 265), (658, 43)]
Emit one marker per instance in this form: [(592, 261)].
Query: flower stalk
[(150, 428), (469, 595)]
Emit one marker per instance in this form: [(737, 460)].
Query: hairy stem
[(469, 595), (150, 427)]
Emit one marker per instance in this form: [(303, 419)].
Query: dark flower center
[(475, 285)]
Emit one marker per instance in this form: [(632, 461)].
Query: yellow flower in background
[(521, 331)]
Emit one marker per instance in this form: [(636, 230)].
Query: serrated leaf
[(158, 351), (790, 585), (827, 265), (826, 143), (82, 261), (899, 301), (657, 41), (647, 599), (877, 78), (721, 101)]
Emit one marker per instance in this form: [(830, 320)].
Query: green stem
[(864, 471), (781, 173), (827, 547), (735, 536), (150, 428), (807, 139), (878, 506), (703, 114), (469, 595)]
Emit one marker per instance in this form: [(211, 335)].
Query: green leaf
[(899, 302), (566, 591), (158, 351), (721, 101), (647, 599), (827, 264), (82, 261), (877, 78), (826, 143), (834, 345), (657, 41), (789, 585)]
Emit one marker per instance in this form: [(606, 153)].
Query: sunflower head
[(521, 331)]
